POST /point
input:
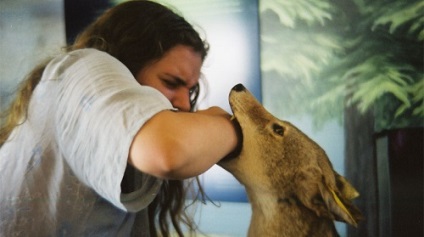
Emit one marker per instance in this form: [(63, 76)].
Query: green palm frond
[(281, 53), (398, 14), (289, 12), (417, 91), (375, 87)]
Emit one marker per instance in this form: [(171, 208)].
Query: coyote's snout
[(290, 182)]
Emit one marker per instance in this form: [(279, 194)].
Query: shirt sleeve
[(100, 108)]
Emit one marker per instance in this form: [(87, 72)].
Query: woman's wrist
[(239, 136)]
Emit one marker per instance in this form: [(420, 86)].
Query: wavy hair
[(137, 33)]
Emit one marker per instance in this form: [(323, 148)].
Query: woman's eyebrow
[(179, 81), (176, 79)]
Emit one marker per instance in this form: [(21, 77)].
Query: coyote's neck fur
[(274, 216)]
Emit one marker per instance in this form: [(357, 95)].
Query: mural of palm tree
[(342, 53)]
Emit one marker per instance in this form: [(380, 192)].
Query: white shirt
[(61, 170)]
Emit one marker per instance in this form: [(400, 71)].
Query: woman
[(99, 139)]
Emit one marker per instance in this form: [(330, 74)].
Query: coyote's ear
[(339, 207), (345, 188)]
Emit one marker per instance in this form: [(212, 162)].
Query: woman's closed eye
[(171, 84)]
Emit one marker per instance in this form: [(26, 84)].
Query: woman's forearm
[(178, 145)]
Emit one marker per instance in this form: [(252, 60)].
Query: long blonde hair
[(17, 111), (136, 33)]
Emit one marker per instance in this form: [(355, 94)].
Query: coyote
[(289, 180)]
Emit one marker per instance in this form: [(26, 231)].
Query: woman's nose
[(181, 100)]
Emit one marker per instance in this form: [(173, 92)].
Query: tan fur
[(289, 180)]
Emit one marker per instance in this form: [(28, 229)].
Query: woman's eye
[(170, 84)]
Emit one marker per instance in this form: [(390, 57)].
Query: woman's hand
[(178, 145)]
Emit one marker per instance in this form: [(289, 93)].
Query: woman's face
[(175, 74)]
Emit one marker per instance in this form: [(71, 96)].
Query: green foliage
[(399, 14), (294, 48), (291, 11), (377, 79), (367, 54), (417, 91)]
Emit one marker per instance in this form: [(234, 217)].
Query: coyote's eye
[(278, 129)]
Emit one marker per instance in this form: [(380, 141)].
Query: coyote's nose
[(239, 87)]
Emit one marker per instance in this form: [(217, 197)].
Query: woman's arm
[(178, 145)]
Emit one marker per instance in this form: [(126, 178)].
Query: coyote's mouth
[(236, 152)]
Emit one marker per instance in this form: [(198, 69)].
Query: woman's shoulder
[(88, 52), (81, 59), (90, 55)]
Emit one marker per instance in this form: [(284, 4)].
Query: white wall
[(30, 31)]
